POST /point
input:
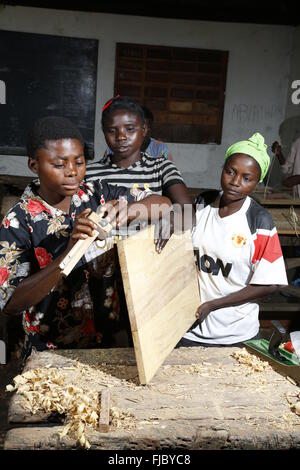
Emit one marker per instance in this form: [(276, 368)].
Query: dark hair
[(148, 114), (122, 102), (50, 128)]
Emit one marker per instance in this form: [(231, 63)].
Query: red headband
[(110, 102)]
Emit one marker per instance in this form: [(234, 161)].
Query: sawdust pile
[(288, 419), (122, 418), (296, 405), (253, 362), (204, 369), (45, 390)]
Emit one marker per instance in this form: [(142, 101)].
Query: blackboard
[(43, 75)]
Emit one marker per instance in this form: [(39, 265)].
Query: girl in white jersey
[(238, 251)]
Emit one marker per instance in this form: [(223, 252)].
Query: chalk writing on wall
[(2, 352), (253, 113), (296, 94), (2, 92)]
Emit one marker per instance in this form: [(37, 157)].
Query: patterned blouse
[(81, 310)]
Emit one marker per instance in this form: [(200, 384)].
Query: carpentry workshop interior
[(150, 226)]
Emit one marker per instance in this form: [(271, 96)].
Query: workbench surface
[(200, 398), (276, 198)]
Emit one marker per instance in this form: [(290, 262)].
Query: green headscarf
[(256, 148)]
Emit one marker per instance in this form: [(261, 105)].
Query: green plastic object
[(262, 346)]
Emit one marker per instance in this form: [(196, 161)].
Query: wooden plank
[(7, 202), (276, 197), (170, 435), (292, 291), (289, 240), (283, 221), (278, 202), (291, 263), (15, 181), (279, 306), (273, 199), (104, 411), (162, 295)]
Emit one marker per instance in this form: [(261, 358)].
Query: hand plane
[(80, 247), (279, 335)]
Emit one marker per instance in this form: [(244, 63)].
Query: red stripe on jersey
[(267, 247)]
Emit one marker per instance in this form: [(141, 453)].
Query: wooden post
[(104, 411)]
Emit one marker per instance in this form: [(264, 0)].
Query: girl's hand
[(276, 148), (115, 212), (84, 228), (164, 229), (204, 310)]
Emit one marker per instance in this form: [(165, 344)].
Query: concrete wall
[(293, 109), (290, 127), (257, 80)]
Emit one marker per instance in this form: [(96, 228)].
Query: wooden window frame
[(183, 87)]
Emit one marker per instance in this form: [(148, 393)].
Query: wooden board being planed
[(162, 295)]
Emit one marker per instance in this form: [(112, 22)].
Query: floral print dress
[(82, 310)]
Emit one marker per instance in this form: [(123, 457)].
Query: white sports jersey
[(232, 252)]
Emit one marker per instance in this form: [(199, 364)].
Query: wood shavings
[(251, 361), (121, 418), (104, 376), (45, 389), (290, 399), (133, 400), (204, 369), (295, 406), (127, 374), (292, 219), (287, 421), (109, 376), (291, 380)]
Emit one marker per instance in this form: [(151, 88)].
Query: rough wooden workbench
[(277, 198), (201, 398)]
